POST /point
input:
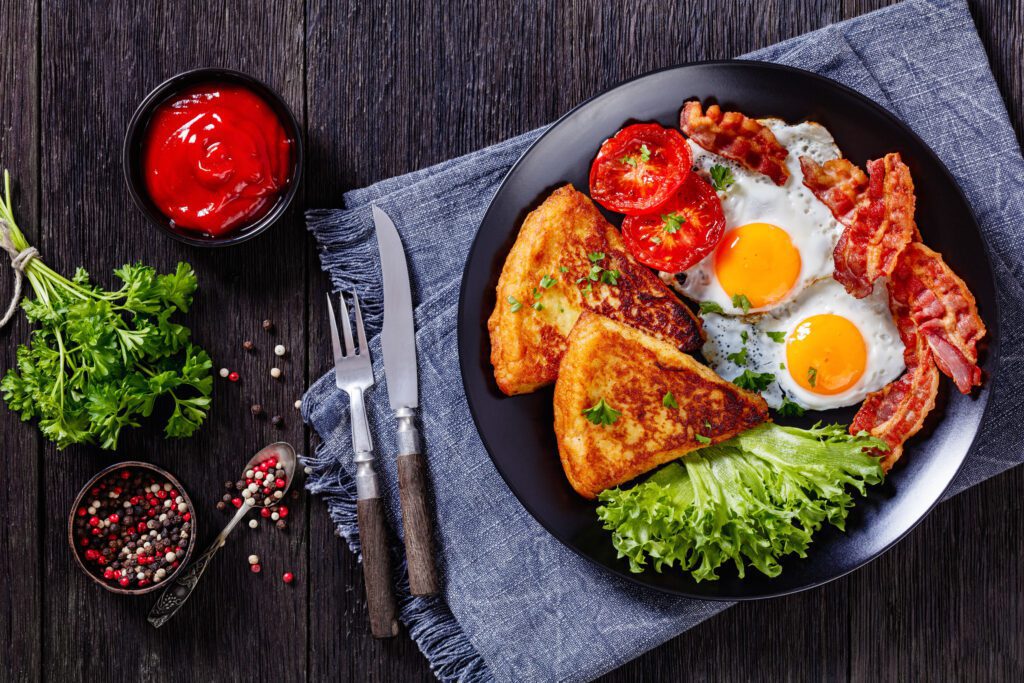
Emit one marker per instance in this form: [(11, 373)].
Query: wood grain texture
[(417, 523), (384, 88), (374, 542), (21, 537)]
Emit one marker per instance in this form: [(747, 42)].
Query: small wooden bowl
[(79, 500)]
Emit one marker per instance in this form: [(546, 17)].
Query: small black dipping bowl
[(136, 135)]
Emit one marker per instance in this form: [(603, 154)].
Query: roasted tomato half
[(639, 169), (686, 229)]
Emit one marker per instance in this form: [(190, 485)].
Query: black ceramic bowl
[(160, 475), (134, 138)]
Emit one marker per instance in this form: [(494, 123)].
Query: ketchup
[(215, 158)]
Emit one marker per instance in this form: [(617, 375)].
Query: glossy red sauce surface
[(215, 158)]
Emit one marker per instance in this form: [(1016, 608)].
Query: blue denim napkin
[(517, 605)]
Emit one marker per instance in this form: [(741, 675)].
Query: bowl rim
[(78, 501), (132, 148)]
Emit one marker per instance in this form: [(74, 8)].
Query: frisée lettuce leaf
[(750, 500)]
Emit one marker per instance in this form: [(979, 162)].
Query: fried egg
[(825, 349), (778, 240)]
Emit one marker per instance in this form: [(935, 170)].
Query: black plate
[(518, 431)]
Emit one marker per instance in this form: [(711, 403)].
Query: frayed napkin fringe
[(348, 254), (432, 626)]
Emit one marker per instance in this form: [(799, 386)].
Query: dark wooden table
[(383, 89)]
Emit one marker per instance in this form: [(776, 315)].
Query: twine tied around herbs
[(19, 261)]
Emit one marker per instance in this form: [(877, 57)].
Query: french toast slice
[(567, 259), (634, 374)]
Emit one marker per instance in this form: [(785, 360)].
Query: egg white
[(870, 315), (754, 198)]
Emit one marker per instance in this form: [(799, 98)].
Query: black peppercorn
[(221, 505), (248, 345), (229, 485), (256, 409), (268, 325), (277, 421), (281, 524)]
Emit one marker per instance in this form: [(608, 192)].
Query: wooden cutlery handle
[(380, 597), (419, 533)]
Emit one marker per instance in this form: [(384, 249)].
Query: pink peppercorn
[(233, 376)]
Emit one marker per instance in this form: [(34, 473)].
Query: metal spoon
[(182, 586)]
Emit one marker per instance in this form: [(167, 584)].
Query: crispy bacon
[(944, 311), (897, 411), (877, 210), (734, 136)]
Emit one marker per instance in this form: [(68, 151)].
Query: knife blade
[(398, 342), (398, 336)]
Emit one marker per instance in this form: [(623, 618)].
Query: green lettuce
[(749, 500)]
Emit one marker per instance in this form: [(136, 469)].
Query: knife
[(398, 341)]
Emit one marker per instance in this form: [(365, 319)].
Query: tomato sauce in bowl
[(215, 157), (212, 157)]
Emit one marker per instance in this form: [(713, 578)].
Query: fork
[(353, 373)]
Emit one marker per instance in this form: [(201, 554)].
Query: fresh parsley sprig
[(601, 413), (100, 360), (721, 177)]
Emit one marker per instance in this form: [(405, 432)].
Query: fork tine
[(335, 341), (346, 326), (360, 332)]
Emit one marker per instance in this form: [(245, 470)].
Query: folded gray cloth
[(517, 605)]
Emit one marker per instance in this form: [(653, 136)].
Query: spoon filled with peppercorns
[(266, 477)]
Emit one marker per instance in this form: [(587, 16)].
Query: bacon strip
[(897, 411), (878, 212), (734, 136), (944, 311)]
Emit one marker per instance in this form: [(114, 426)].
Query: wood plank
[(21, 620), (96, 66)]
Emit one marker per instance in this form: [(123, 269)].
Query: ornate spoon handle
[(181, 588)]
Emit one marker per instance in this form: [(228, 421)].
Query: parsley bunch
[(99, 360)]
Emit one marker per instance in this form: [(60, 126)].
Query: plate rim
[(993, 348)]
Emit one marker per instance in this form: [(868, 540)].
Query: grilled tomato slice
[(639, 169), (685, 230)]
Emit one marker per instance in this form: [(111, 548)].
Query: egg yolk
[(759, 261), (826, 354)]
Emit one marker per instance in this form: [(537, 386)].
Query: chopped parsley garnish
[(538, 306), (790, 408), (744, 336), (777, 337), (703, 439), (597, 272), (739, 358), (710, 307), (547, 281), (754, 381), (536, 293), (782, 366), (741, 301), (629, 161), (669, 401), (721, 177), (672, 222), (588, 289), (812, 375), (645, 154), (563, 269), (707, 424), (601, 413), (514, 304), (655, 240)]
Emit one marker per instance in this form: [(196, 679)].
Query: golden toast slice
[(566, 259), (633, 373)]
